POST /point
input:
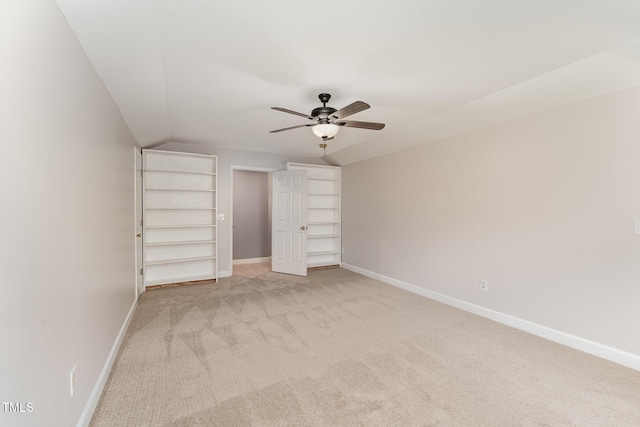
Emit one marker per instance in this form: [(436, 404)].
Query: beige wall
[(67, 244), (542, 207)]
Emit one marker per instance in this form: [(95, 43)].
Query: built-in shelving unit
[(324, 232), (180, 219)]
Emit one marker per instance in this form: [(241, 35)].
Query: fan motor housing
[(323, 112)]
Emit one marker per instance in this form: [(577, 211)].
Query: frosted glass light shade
[(325, 130)]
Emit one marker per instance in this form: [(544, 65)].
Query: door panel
[(289, 250), (281, 243), (296, 247)]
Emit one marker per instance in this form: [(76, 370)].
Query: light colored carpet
[(339, 349)]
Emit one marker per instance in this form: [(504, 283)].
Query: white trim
[(92, 403), (251, 260), (615, 355), (137, 202), (181, 280), (180, 153), (226, 273)]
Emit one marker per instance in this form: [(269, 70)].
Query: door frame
[(137, 221), (242, 168)]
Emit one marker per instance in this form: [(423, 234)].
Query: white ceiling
[(208, 71)]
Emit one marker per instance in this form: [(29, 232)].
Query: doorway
[(250, 239)]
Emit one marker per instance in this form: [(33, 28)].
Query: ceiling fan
[(327, 120)]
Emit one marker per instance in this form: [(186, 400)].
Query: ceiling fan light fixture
[(327, 120), (325, 130)]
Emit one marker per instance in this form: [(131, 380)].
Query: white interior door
[(138, 221), (289, 222)]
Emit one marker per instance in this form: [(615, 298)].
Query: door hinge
[(142, 271)]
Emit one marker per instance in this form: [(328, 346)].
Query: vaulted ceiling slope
[(207, 72)]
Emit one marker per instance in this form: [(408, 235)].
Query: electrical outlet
[(73, 381), (484, 285)]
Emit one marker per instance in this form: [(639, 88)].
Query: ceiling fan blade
[(289, 128), (284, 110), (362, 125), (350, 109)]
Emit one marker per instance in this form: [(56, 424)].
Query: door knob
[(138, 235), (303, 228)]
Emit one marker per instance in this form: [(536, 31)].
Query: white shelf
[(323, 253), (186, 242), (181, 209), (323, 213), (179, 260), (179, 226), (176, 171), (180, 189), (180, 201)]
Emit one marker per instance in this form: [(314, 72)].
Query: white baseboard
[(222, 274), (92, 403), (615, 355), (251, 260)]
